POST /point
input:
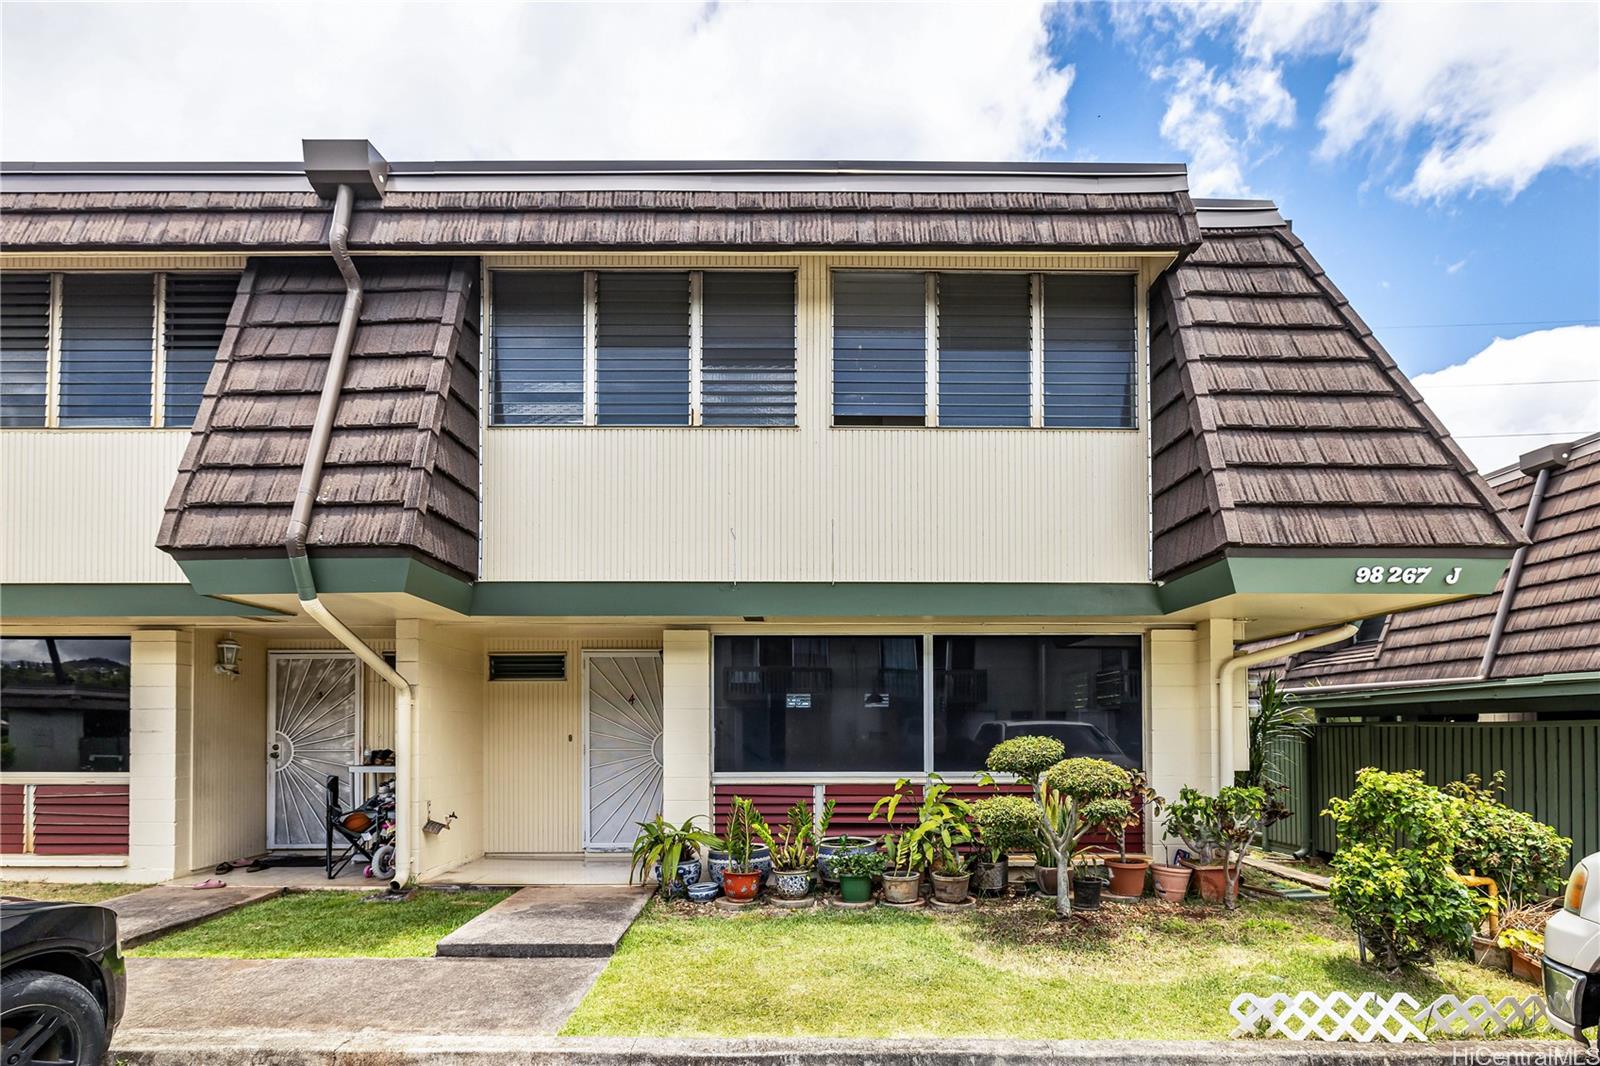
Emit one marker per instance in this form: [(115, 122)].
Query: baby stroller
[(367, 832)]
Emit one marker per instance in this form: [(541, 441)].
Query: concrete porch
[(510, 871)]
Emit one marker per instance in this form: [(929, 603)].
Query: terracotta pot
[(902, 888), (1525, 967), (1213, 881), (1488, 954), (1127, 878), (1172, 882), (948, 889), (741, 886), (1045, 878)]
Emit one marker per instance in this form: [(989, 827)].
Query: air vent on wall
[(542, 666)]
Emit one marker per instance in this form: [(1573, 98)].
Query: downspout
[(305, 498), (1222, 712)]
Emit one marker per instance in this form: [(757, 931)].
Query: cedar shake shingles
[(1278, 421), (401, 470)]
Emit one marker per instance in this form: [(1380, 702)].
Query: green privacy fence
[(1552, 770)]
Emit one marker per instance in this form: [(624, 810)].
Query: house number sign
[(1401, 575)]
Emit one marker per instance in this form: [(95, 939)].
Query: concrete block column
[(161, 728), (446, 666), (1181, 749), (686, 725)]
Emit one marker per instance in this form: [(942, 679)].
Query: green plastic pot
[(855, 889)]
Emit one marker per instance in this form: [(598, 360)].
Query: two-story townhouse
[(594, 491)]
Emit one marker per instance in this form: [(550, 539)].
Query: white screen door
[(313, 731), (621, 746)]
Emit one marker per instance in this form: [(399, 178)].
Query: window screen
[(1088, 351), (66, 704), (24, 348), (642, 350), (107, 349), (538, 349), (879, 348), (747, 349), (985, 327), (197, 307)]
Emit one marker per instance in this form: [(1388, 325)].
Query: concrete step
[(550, 921), (151, 912)]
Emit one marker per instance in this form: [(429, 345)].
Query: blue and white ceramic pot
[(791, 884), (705, 891), (828, 848), (688, 874)]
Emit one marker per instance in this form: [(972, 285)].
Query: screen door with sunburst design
[(313, 732), (622, 746)]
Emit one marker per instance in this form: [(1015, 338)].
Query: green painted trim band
[(1335, 575), (163, 600), (274, 576), (1543, 686)]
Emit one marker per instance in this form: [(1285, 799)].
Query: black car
[(62, 982)]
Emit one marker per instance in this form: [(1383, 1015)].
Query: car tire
[(74, 1017)]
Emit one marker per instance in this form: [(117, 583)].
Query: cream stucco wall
[(228, 798), (814, 502), (446, 667), (686, 713), (160, 748)]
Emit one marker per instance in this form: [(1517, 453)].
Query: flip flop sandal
[(255, 867), (224, 868), (211, 882)]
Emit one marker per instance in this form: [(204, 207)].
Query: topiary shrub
[(1006, 823), (1393, 878), (1077, 796), (1026, 757), (1526, 858)]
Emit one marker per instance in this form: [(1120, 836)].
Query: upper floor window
[(977, 349), (101, 350), (643, 348)]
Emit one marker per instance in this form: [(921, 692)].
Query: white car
[(1572, 954)]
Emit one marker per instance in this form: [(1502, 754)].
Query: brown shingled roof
[(590, 219), (402, 467), (1279, 420), (1554, 623)]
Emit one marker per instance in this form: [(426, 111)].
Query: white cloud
[(423, 81), (1498, 93), (1216, 118), (1479, 402), (1457, 267)]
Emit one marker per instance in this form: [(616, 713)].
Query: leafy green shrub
[(1220, 829), (1006, 823), (858, 864), (944, 824), (1393, 878), (1525, 857), (1026, 757), (1077, 796)]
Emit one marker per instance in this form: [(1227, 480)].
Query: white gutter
[(1222, 709)]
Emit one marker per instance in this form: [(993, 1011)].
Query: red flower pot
[(741, 887)]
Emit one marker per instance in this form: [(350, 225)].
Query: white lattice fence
[(1368, 1016)]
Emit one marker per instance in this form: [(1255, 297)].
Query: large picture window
[(819, 704), (65, 704), (828, 704)]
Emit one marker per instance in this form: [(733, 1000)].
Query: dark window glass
[(107, 349), (65, 704), (818, 704), (880, 354), (642, 350), (1371, 629), (985, 325), (24, 348), (196, 309), (747, 349), (1084, 691), (1088, 351), (538, 349)]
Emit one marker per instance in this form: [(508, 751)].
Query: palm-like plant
[(1281, 717), (660, 843)]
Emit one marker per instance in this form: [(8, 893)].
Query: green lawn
[(1010, 970), (93, 892), (318, 925)]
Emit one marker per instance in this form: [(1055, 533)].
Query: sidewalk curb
[(377, 1048)]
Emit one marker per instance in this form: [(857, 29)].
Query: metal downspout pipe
[(1222, 713), (305, 498)]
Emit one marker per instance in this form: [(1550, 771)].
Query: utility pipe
[(1222, 711), (305, 499)]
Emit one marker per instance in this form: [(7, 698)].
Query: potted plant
[(1004, 824), (1192, 818), (793, 857), (944, 824), (1128, 871), (1527, 948), (661, 845), (720, 858), (741, 880), (855, 870), (1088, 881), (830, 846), (1078, 796)]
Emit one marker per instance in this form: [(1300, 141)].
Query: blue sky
[(1439, 159)]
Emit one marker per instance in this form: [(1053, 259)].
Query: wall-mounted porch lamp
[(228, 657)]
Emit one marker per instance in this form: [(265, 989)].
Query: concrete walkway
[(549, 921), (312, 1002), (151, 912)]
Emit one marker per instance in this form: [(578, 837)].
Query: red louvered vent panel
[(853, 805), (773, 801), (80, 820), (11, 801)]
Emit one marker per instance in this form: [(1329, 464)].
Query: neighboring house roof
[(402, 467), (1278, 420), (1553, 624), (444, 207)]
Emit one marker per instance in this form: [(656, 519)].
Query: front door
[(621, 746), (313, 732)]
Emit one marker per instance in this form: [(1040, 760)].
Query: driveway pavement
[(550, 921)]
